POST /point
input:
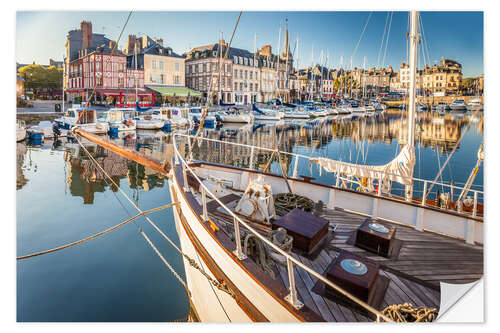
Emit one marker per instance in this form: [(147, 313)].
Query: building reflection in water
[(306, 137), (84, 178), (353, 133)]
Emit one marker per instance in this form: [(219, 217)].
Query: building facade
[(105, 79), (162, 66), (202, 72), (443, 79)]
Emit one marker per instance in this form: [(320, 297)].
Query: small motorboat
[(117, 120), (84, 119), (234, 115), (475, 104), (458, 105), (265, 114)]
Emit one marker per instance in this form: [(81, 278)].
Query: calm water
[(62, 197)]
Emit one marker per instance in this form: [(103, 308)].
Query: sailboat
[(261, 245), (269, 267)]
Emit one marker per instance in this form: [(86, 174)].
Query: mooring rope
[(407, 313), (81, 241)]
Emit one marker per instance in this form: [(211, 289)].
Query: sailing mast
[(278, 63), (220, 68), (135, 63), (64, 72), (364, 81), (411, 106)]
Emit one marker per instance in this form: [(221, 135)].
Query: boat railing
[(291, 262), (395, 191)]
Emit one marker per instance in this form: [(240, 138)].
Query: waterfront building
[(377, 80), (81, 39), (164, 70), (202, 72), (246, 76), (443, 79), (106, 77)]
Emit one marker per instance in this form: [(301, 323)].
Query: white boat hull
[(243, 118), (149, 124)]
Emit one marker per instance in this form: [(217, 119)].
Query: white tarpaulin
[(399, 169)]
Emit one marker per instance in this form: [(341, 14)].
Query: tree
[(38, 77)]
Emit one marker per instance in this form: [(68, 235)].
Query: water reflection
[(373, 139)]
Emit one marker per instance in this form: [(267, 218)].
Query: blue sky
[(456, 35)]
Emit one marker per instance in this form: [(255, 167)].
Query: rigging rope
[(360, 37), (382, 41), (86, 239), (387, 39)]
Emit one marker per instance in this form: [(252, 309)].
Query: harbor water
[(63, 197)]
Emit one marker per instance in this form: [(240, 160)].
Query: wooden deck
[(423, 261), (425, 257)]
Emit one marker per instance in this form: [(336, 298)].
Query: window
[(251, 75), (256, 87), (241, 86), (235, 86), (153, 64), (176, 79), (235, 73), (251, 87), (200, 68), (241, 74), (161, 64), (176, 66), (246, 74)]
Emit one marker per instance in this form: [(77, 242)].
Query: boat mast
[(136, 74), (413, 71), (220, 68), (351, 79), (278, 63), (64, 72), (364, 83), (342, 78)]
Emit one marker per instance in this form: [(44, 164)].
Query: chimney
[(86, 28), (159, 41), (131, 44), (112, 45), (265, 51)]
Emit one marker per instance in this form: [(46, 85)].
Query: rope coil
[(406, 312)]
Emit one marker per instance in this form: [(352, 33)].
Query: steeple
[(286, 45)]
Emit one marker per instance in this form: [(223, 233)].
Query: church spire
[(286, 45)]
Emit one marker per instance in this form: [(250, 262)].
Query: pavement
[(40, 106)]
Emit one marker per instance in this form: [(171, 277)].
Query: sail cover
[(400, 169)]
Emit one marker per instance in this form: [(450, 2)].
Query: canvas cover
[(400, 169)]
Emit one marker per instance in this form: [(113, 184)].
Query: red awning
[(118, 92)]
